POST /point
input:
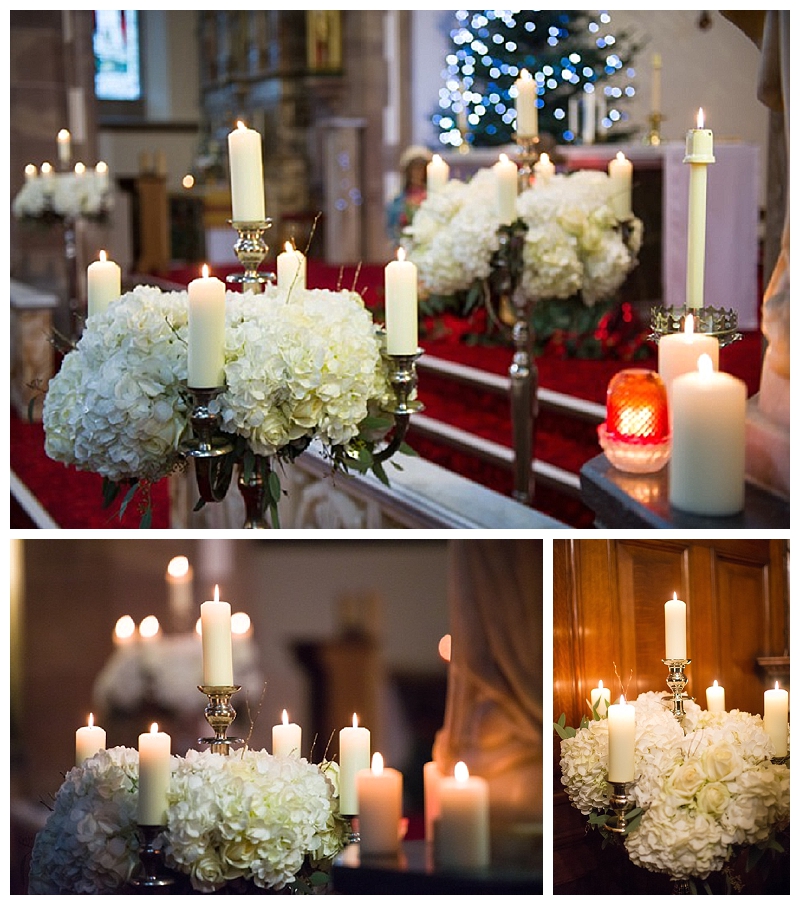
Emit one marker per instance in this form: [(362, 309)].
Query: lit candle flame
[(401, 254), (622, 699), (377, 764), (178, 567), (216, 593), (90, 721), (125, 627), (700, 118), (80, 169), (600, 684), (355, 721), (688, 325), (704, 364), (240, 125), (285, 718), (715, 684), (461, 772), (776, 685), (240, 623), (103, 256), (205, 271), (154, 728), (148, 627)]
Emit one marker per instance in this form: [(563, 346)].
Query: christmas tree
[(581, 69)]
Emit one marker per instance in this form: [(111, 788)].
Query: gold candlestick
[(220, 714), (677, 681), (621, 804)]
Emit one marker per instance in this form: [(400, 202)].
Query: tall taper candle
[(621, 741), (402, 328), (155, 749), (206, 365), (506, 176), (527, 114), (215, 621), (776, 718), (699, 153), (247, 175), (675, 629), (354, 755)]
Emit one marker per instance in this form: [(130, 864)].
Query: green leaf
[(634, 818), (128, 497), (110, 491), (380, 473), (274, 487), (147, 518), (407, 450)]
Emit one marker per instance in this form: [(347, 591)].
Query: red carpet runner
[(73, 499)]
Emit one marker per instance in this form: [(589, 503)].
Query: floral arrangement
[(573, 251), (248, 817), (64, 196), (298, 367), (165, 672), (702, 792)]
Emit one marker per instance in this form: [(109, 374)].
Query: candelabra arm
[(401, 403)]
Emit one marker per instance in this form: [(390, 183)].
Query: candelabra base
[(220, 714), (621, 804), (151, 872)]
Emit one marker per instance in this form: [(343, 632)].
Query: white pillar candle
[(601, 697), (101, 174), (544, 169), (380, 808), (354, 755), (437, 174), (247, 175), (431, 777), (30, 172), (155, 749), (179, 591), (400, 282), (215, 622), (47, 170), (124, 631), (287, 738), (89, 740), (527, 114), (675, 629), (699, 153), (715, 698), (64, 143), (462, 831), (708, 442), (776, 718), (621, 741), (291, 268), (103, 284), (678, 353), (620, 173), (573, 107), (505, 175), (206, 332)]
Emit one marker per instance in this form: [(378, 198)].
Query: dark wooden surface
[(622, 500)]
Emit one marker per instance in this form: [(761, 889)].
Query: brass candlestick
[(401, 403), (220, 714), (621, 803), (251, 249), (677, 681), (653, 136), (528, 154), (151, 872)]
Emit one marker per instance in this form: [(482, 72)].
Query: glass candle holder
[(636, 433)]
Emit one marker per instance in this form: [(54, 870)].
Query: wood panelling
[(608, 623)]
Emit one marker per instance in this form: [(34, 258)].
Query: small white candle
[(699, 153), (678, 353), (101, 174), (776, 718), (527, 114), (431, 777), (155, 749), (215, 621), (247, 175), (589, 114), (287, 738), (437, 174), (354, 755), (462, 830), (715, 698), (707, 464), (380, 808), (400, 282), (64, 143), (179, 590), (206, 332), (675, 629), (80, 169), (291, 268), (620, 173), (601, 697), (30, 172), (47, 170), (621, 741), (103, 284), (89, 740), (573, 107), (505, 174), (544, 169)]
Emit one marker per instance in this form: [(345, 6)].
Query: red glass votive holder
[(636, 433)]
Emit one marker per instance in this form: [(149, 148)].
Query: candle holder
[(621, 803), (402, 402), (251, 249), (220, 715), (528, 154), (151, 871), (720, 322), (677, 681), (780, 760), (353, 836), (209, 448), (653, 136)]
